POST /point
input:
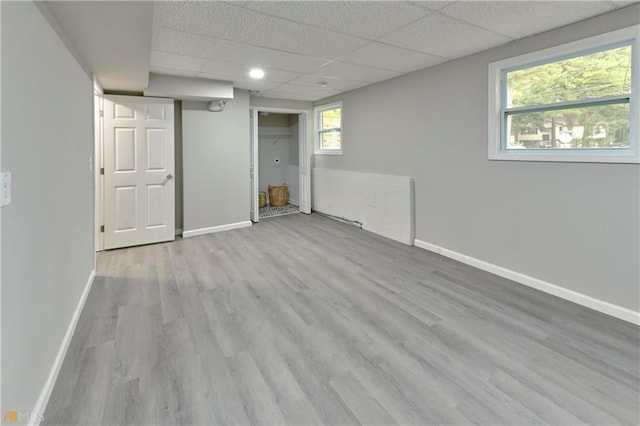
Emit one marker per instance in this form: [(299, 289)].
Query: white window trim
[(317, 139), (599, 155)]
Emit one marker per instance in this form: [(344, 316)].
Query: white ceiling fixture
[(256, 73), (347, 44), (216, 105)]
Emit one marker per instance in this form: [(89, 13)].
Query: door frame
[(305, 138), (254, 166), (98, 194)]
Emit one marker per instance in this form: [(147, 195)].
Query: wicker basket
[(262, 199), (278, 195)]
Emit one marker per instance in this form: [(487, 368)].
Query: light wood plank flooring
[(303, 320)]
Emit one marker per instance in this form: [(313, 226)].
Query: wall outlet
[(5, 188)]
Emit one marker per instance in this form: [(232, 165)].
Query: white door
[(139, 189), (253, 171), (305, 163)]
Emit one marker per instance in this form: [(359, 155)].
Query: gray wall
[(571, 224), (280, 103), (47, 230), (273, 120), (215, 149)]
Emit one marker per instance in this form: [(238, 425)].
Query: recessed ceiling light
[(256, 73)]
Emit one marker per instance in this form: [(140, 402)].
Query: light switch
[(5, 188)]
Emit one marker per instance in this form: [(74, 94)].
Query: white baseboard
[(564, 293), (220, 228), (294, 202), (38, 410)]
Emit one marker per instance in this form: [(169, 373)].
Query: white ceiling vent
[(217, 92)]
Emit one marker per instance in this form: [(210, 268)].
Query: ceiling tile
[(366, 19), (442, 36), (624, 3), (266, 31), (178, 62), (212, 18), (507, 17), (265, 57), (303, 93), (389, 57), (432, 5), (260, 86), (355, 72), (240, 70), (287, 95), (181, 43), (240, 83), (301, 43), (173, 71), (340, 84)]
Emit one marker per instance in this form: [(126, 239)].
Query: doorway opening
[(279, 163)]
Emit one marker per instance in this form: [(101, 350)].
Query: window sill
[(586, 156), (328, 152)]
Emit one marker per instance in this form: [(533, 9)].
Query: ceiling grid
[(309, 50)]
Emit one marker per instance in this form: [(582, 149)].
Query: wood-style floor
[(303, 320)]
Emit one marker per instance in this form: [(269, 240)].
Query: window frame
[(497, 101), (317, 111)]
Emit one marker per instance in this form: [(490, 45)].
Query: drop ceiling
[(314, 49)]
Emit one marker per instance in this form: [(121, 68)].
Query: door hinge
[(102, 228), (101, 170)]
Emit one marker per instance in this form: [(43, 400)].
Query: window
[(329, 129), (574, 102)]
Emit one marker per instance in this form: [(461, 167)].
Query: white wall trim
[(616, 311), (98, 163), (382, 203), (38, 410), (213, 229)]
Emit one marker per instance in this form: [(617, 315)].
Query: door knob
[(169, 176)]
